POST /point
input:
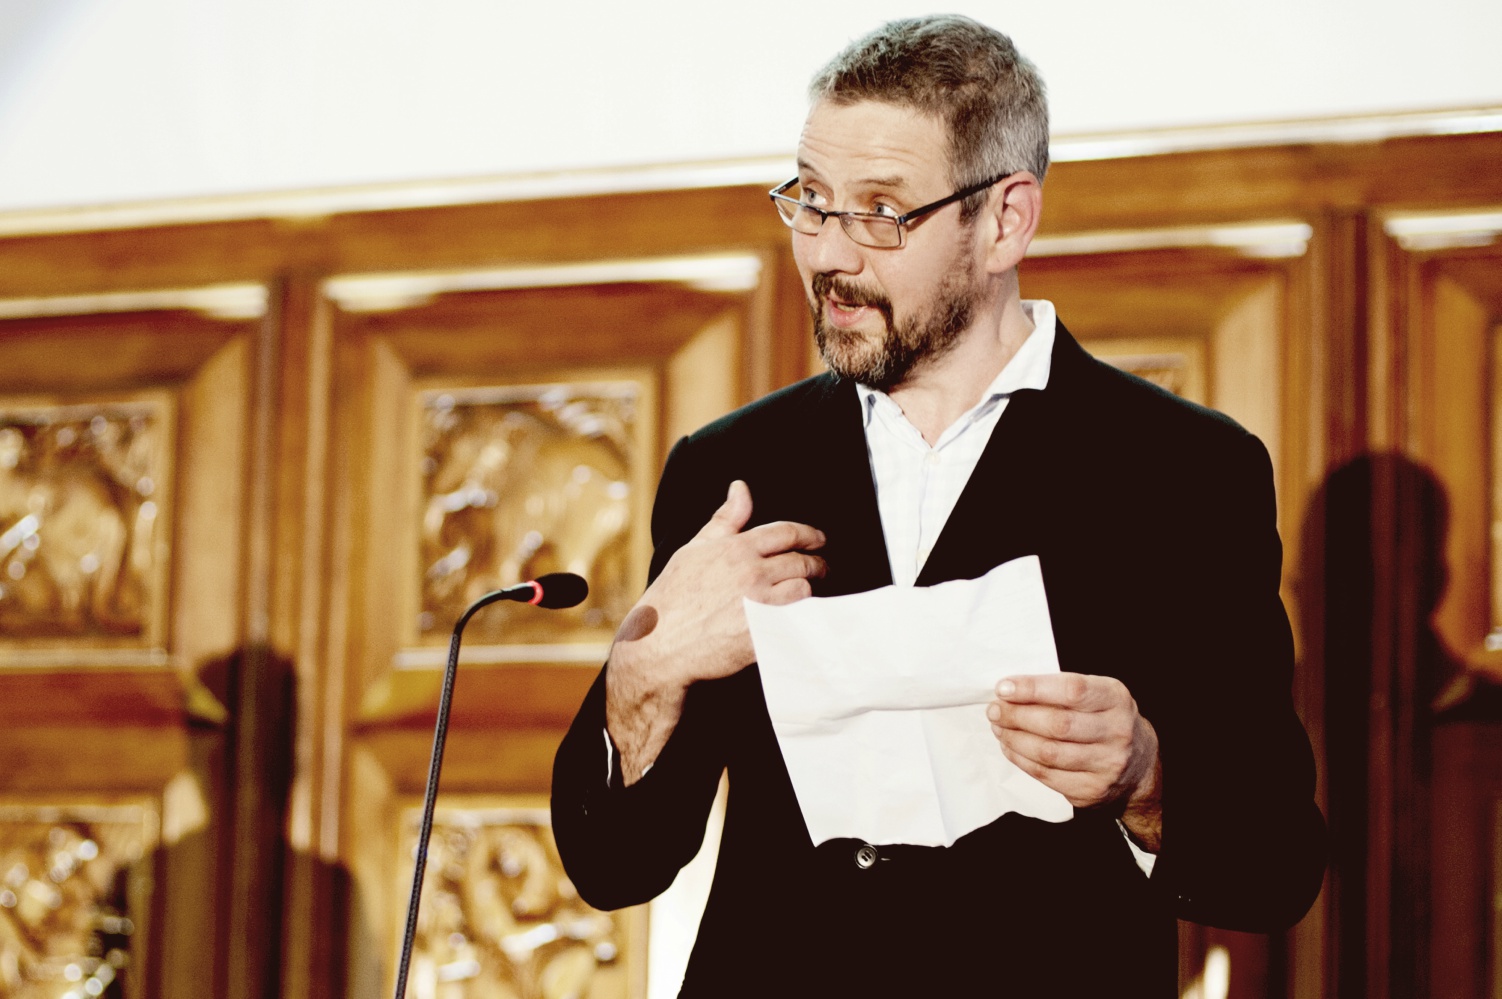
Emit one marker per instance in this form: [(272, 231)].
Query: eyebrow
[(893, 183)]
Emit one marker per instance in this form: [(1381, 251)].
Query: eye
[(884, 210), (807, 195)]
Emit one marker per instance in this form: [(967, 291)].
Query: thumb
[(732, 514)]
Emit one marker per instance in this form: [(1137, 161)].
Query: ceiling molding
[(220, 301), (769, 171), (1267, 240), (1428, 231), (319, 203), (738, 272), (1339, 131)]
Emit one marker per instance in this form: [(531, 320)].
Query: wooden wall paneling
[(276, 550), (1305, 373), (701, 380), (1332, 284), (86, 721), (1495, 915), (307, 628), (612, 227), (1249, 342), (444, 356), (787, 317), (763, 360), (1452, 428), (1451, 297), (208, 628), (1200, 188), (1216, 186), (262, 698), (1467, 790)]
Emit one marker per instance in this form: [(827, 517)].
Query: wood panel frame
[(149, 719), (683, 345)]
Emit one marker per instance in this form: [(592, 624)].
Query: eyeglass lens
[(870, 230)]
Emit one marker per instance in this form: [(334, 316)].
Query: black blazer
[(1154, 521)]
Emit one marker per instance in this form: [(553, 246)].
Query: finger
[(1051, 778), (1049, 754), (1066, 690), (1079, 789), (784, 536), (732, 514), (1050, 722), (787, 592), (793, 565)]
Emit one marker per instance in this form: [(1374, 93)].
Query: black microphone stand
[(571, 591)]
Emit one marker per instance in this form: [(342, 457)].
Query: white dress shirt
[(917, 485)]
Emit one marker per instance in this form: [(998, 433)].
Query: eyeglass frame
[(901, 221)]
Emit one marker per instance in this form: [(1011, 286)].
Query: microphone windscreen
[(562, 589)]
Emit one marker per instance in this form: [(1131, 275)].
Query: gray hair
[(968, 75)]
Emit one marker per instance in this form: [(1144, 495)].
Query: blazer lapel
[(840, 497)]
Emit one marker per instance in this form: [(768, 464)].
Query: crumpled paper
[(878, 700)]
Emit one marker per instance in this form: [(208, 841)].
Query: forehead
[(870, 141)]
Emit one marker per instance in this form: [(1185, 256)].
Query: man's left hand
[(1082, 736)]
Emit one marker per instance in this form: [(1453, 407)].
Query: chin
[(852, 356)]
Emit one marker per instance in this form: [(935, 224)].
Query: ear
[(1014, 210)]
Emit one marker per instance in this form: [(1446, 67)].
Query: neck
[(940, 391)]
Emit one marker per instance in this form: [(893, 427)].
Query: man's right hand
[(690, 624)]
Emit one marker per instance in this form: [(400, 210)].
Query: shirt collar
[(1029, 368)]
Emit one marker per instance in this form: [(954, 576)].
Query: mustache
[(827, 285)]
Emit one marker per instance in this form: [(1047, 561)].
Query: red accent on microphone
[(536, 592)]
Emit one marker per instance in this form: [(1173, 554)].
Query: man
[(959, 427)]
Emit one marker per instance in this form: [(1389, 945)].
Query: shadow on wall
[(223, 889), (1374, 574)]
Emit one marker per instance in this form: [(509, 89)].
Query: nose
[(829, 249)]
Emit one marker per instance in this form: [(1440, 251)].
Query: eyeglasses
[(866, 228)]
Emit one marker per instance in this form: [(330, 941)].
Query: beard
[(921, 338)]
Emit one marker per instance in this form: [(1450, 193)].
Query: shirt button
[(933, 458), (865, 857)]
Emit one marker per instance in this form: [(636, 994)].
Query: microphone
[(554, 591)]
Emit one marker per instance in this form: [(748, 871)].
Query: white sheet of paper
[(878, 701)]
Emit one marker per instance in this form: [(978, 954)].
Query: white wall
[(119, 100)]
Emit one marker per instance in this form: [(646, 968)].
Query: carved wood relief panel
[(523, 480), (502, 432), (122, 441), (499, 917), (74, 900), (85, 511)]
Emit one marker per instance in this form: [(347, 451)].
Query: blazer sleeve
[(624, 845), (1243, 840)]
